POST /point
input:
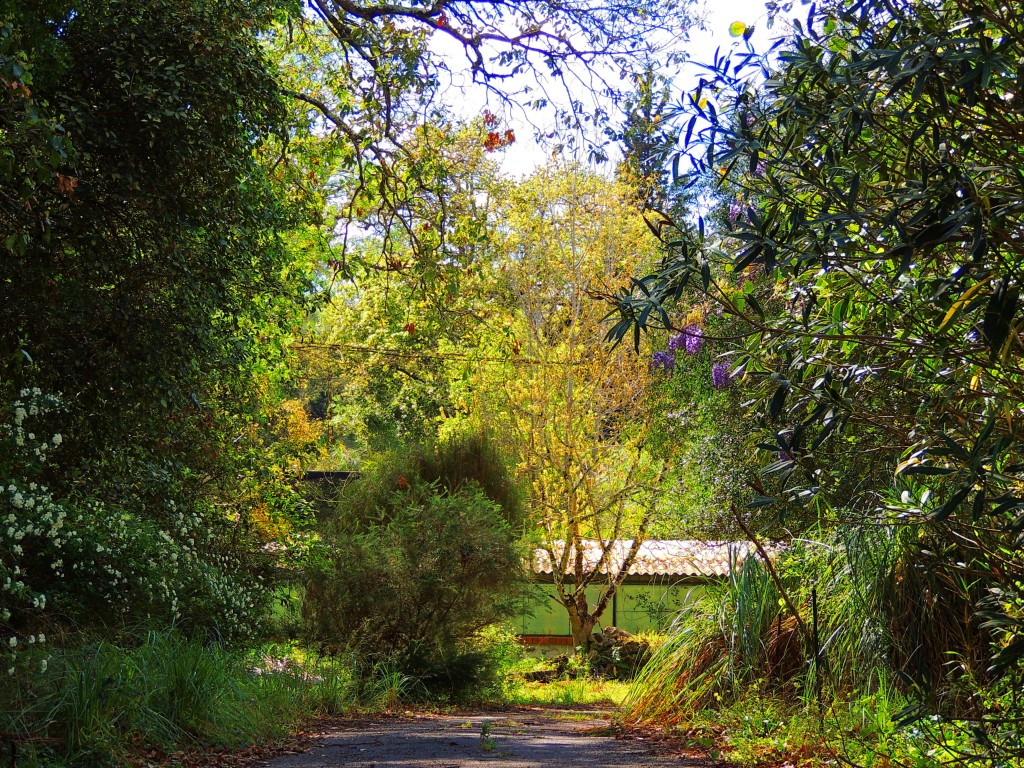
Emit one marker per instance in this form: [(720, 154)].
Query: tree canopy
[(367, 76)]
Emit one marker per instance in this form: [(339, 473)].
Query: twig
[(771, 573)]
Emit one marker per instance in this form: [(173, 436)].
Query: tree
[(381, 351), (574, 413), (367, 75), (146, 291), (879, 191)]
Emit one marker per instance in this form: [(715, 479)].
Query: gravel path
[(520, 739)]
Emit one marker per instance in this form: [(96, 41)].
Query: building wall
[(636, 607)]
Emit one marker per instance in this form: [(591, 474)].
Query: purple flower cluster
[(664, 360), (694, 339), (720, 375), (735, 210), (690, 339)]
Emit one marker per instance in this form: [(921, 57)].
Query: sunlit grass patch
[(577, 691)]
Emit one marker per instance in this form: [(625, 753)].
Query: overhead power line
[(406, 354)]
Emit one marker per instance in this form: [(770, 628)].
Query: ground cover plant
[(583, 690), (100, 703)]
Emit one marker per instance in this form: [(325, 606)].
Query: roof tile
[(667, 557)]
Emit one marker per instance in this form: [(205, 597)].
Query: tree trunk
[(582, 628)]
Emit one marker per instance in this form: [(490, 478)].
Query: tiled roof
[(665, 557)]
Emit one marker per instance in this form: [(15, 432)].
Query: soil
[(521, 738)]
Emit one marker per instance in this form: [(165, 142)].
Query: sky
[(525, 155)]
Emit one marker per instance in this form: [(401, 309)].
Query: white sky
[(525, 155)]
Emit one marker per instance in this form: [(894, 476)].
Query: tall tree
[(367, 74), (574, 413), (145, 289), (380, 351)]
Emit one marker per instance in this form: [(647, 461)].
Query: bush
[(101, 704), (132, 382), (88, 561), (416, 561)]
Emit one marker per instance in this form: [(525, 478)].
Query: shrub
[(100, 702), (414, 563), (891, 616), (159, 555)]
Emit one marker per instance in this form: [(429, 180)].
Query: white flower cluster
[(167, 560), (31, 403), (30, 521)]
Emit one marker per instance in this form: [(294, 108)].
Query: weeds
[(487, 742), (100, 703)]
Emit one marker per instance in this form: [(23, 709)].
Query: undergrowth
[(100, 703), (740, 674), (580, 691), (760, 728)]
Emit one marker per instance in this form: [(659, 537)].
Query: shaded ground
[(525, 738)]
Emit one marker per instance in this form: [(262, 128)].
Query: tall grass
[(101, 702), (718, 643), (892, 623)]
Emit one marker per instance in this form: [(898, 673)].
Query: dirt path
[(518, 739)]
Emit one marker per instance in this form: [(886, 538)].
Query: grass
[(101, 703), (737, 674), (761, 729), (586, 691)]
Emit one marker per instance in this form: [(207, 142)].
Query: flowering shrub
[(28, 517), (690, 339), (720, 375), (99, 562)]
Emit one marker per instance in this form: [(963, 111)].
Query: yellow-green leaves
[(960, 304)]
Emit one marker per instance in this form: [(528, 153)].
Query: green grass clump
[(100, 703), (741, 672)]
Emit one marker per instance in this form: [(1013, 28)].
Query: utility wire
[(419, 355)]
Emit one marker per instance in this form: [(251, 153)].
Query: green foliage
[(86, 561), (573, 413), (877, 195), (719, 644), (383, 356), (101, 702), (411, 569), (146, 291), (894, 632), (462, 461), (760, 729), (365, 78), (706, 432), (143, 309), (578, 691)]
